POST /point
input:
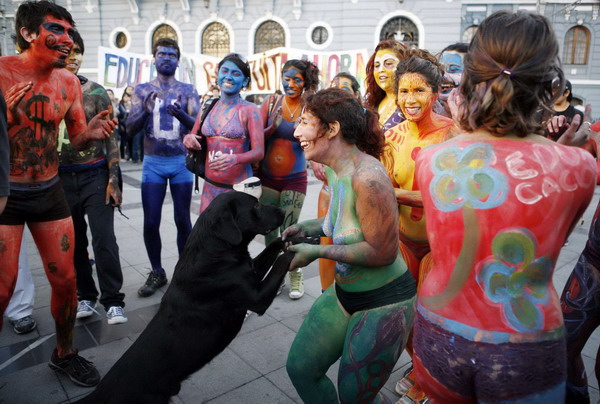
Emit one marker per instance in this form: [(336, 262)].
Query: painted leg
[(10, 244), (270, 197), (153, 196), (374, 341), (55, 242), (182, 199), (318, 344)]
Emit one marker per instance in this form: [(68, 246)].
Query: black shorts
[(35, 205)]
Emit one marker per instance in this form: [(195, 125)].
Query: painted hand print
[(463, 178), (517, 279)]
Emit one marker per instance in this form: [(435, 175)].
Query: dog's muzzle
[(250, 186)]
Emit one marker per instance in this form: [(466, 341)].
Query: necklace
[(285, 104)]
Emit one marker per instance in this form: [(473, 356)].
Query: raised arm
[(186, 116)]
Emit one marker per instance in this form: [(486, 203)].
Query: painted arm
[(268, 105), (14, 95), (99, 127), (257, 142), (409, 198), (186, 117), (142, 103), (378, 217), (112, 157), (308, 228)]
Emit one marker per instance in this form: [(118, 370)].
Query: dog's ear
[(226, 228)]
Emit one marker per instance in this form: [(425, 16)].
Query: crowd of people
[(434, 214)]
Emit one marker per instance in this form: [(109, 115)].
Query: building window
[(215, 40), (164, 31), (319, 35), (121, 40), (268, 35), (469, 33), (401, 29), (577, 46)]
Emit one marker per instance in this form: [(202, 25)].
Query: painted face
[(166, 60), (454, 66), (343, 83), (230, 78), (54, 42), (308, 132), (293, 82), (75, 58), (415, 97), (384, 68)]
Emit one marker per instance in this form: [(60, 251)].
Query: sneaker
[(296, 284), (154, 282), (116, 315), (23, 325), (80, 370), (86, 308)]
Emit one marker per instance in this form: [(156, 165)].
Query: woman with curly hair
[(381, 81), (500, 201), (283, 170), (365, 318)]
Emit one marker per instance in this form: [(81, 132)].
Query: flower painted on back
[(463, 177), (518, 280)]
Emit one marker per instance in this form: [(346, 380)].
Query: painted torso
[(342, 224), (95, 100), (284, 158), (33, 132), (403, 144), (163, 132), (497, 213), (226, 131)]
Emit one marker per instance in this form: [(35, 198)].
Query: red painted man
[(39, 94)]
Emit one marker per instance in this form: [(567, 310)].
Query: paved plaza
[(250, 371)]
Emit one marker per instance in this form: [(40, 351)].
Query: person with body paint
[(165, 109), (451, 57), (90, 179), (40, 93), (346, 82), (381, 86), (495, 199), (283, 170), (580, 302), (418, 81), (234, 133), (365, 319)]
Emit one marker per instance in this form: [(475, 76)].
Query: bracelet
[(588, 122)]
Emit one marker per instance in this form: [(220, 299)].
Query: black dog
[(214, 284)]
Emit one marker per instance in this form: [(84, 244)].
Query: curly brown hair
[(509, 70), (358, 125), (374, 94)]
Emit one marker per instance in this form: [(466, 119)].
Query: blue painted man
[(166, 110)]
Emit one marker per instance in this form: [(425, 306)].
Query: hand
[(319, 171), (294, 230), (113, 191), (14, 95), (175, 110), (305, 254), (277, 118), (578, 137), (100, 127), (454, 104), (149, 101), (192, 142), (223, 162), (555, 123)]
